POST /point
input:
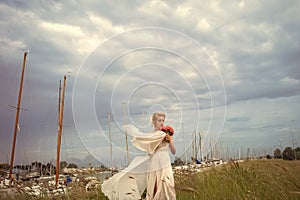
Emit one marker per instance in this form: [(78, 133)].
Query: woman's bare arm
[(171, 144)]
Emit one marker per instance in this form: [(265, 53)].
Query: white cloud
[(64, 30), (290, 81)]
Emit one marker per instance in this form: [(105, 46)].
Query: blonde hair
[(156, 115)]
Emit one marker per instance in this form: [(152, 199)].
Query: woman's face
[(159, 122)]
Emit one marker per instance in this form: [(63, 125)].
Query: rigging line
[(65, 147), (38, 151), (10, 79), (51, 154), (72, 144), (63, 134), (47, 128)]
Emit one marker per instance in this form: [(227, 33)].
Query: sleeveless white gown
[(144, 172)]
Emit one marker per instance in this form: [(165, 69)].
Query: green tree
[(50, 169), (288, 154), (297, 153), (63, 164), (277, 153), (72, 165), (178, 161), (4, 166)]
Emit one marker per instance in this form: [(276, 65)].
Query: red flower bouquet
[(168, 130)]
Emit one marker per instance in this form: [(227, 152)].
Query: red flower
[(168, 130)]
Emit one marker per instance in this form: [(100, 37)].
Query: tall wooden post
[(59, 101), (17, 117), (59, 132)]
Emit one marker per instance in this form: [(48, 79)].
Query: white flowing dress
[(152, 171)]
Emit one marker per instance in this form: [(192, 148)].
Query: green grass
[(260, 179)]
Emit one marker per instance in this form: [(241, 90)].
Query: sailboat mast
[(211, 150), (110, 143), (59, 100), (126, 135), (59, 132), (17, 117), (185, 155), (193, 147), (200, 147)]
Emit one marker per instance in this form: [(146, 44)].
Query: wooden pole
[(60, 123), (59, 100), (17, 117), (126, 135)]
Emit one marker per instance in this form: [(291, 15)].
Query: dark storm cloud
[(255, 46)]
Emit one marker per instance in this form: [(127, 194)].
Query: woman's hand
[(168, 138)]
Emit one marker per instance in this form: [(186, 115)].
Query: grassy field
[(260, 179)]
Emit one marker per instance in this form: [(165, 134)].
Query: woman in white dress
[(160, 180), (152, 172)]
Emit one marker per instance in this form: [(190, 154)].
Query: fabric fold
[(131, 182)]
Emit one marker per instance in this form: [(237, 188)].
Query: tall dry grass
[(260, 179)]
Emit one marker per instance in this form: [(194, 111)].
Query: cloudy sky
[(227, 70)]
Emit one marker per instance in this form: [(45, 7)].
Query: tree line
[(288, 153)]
